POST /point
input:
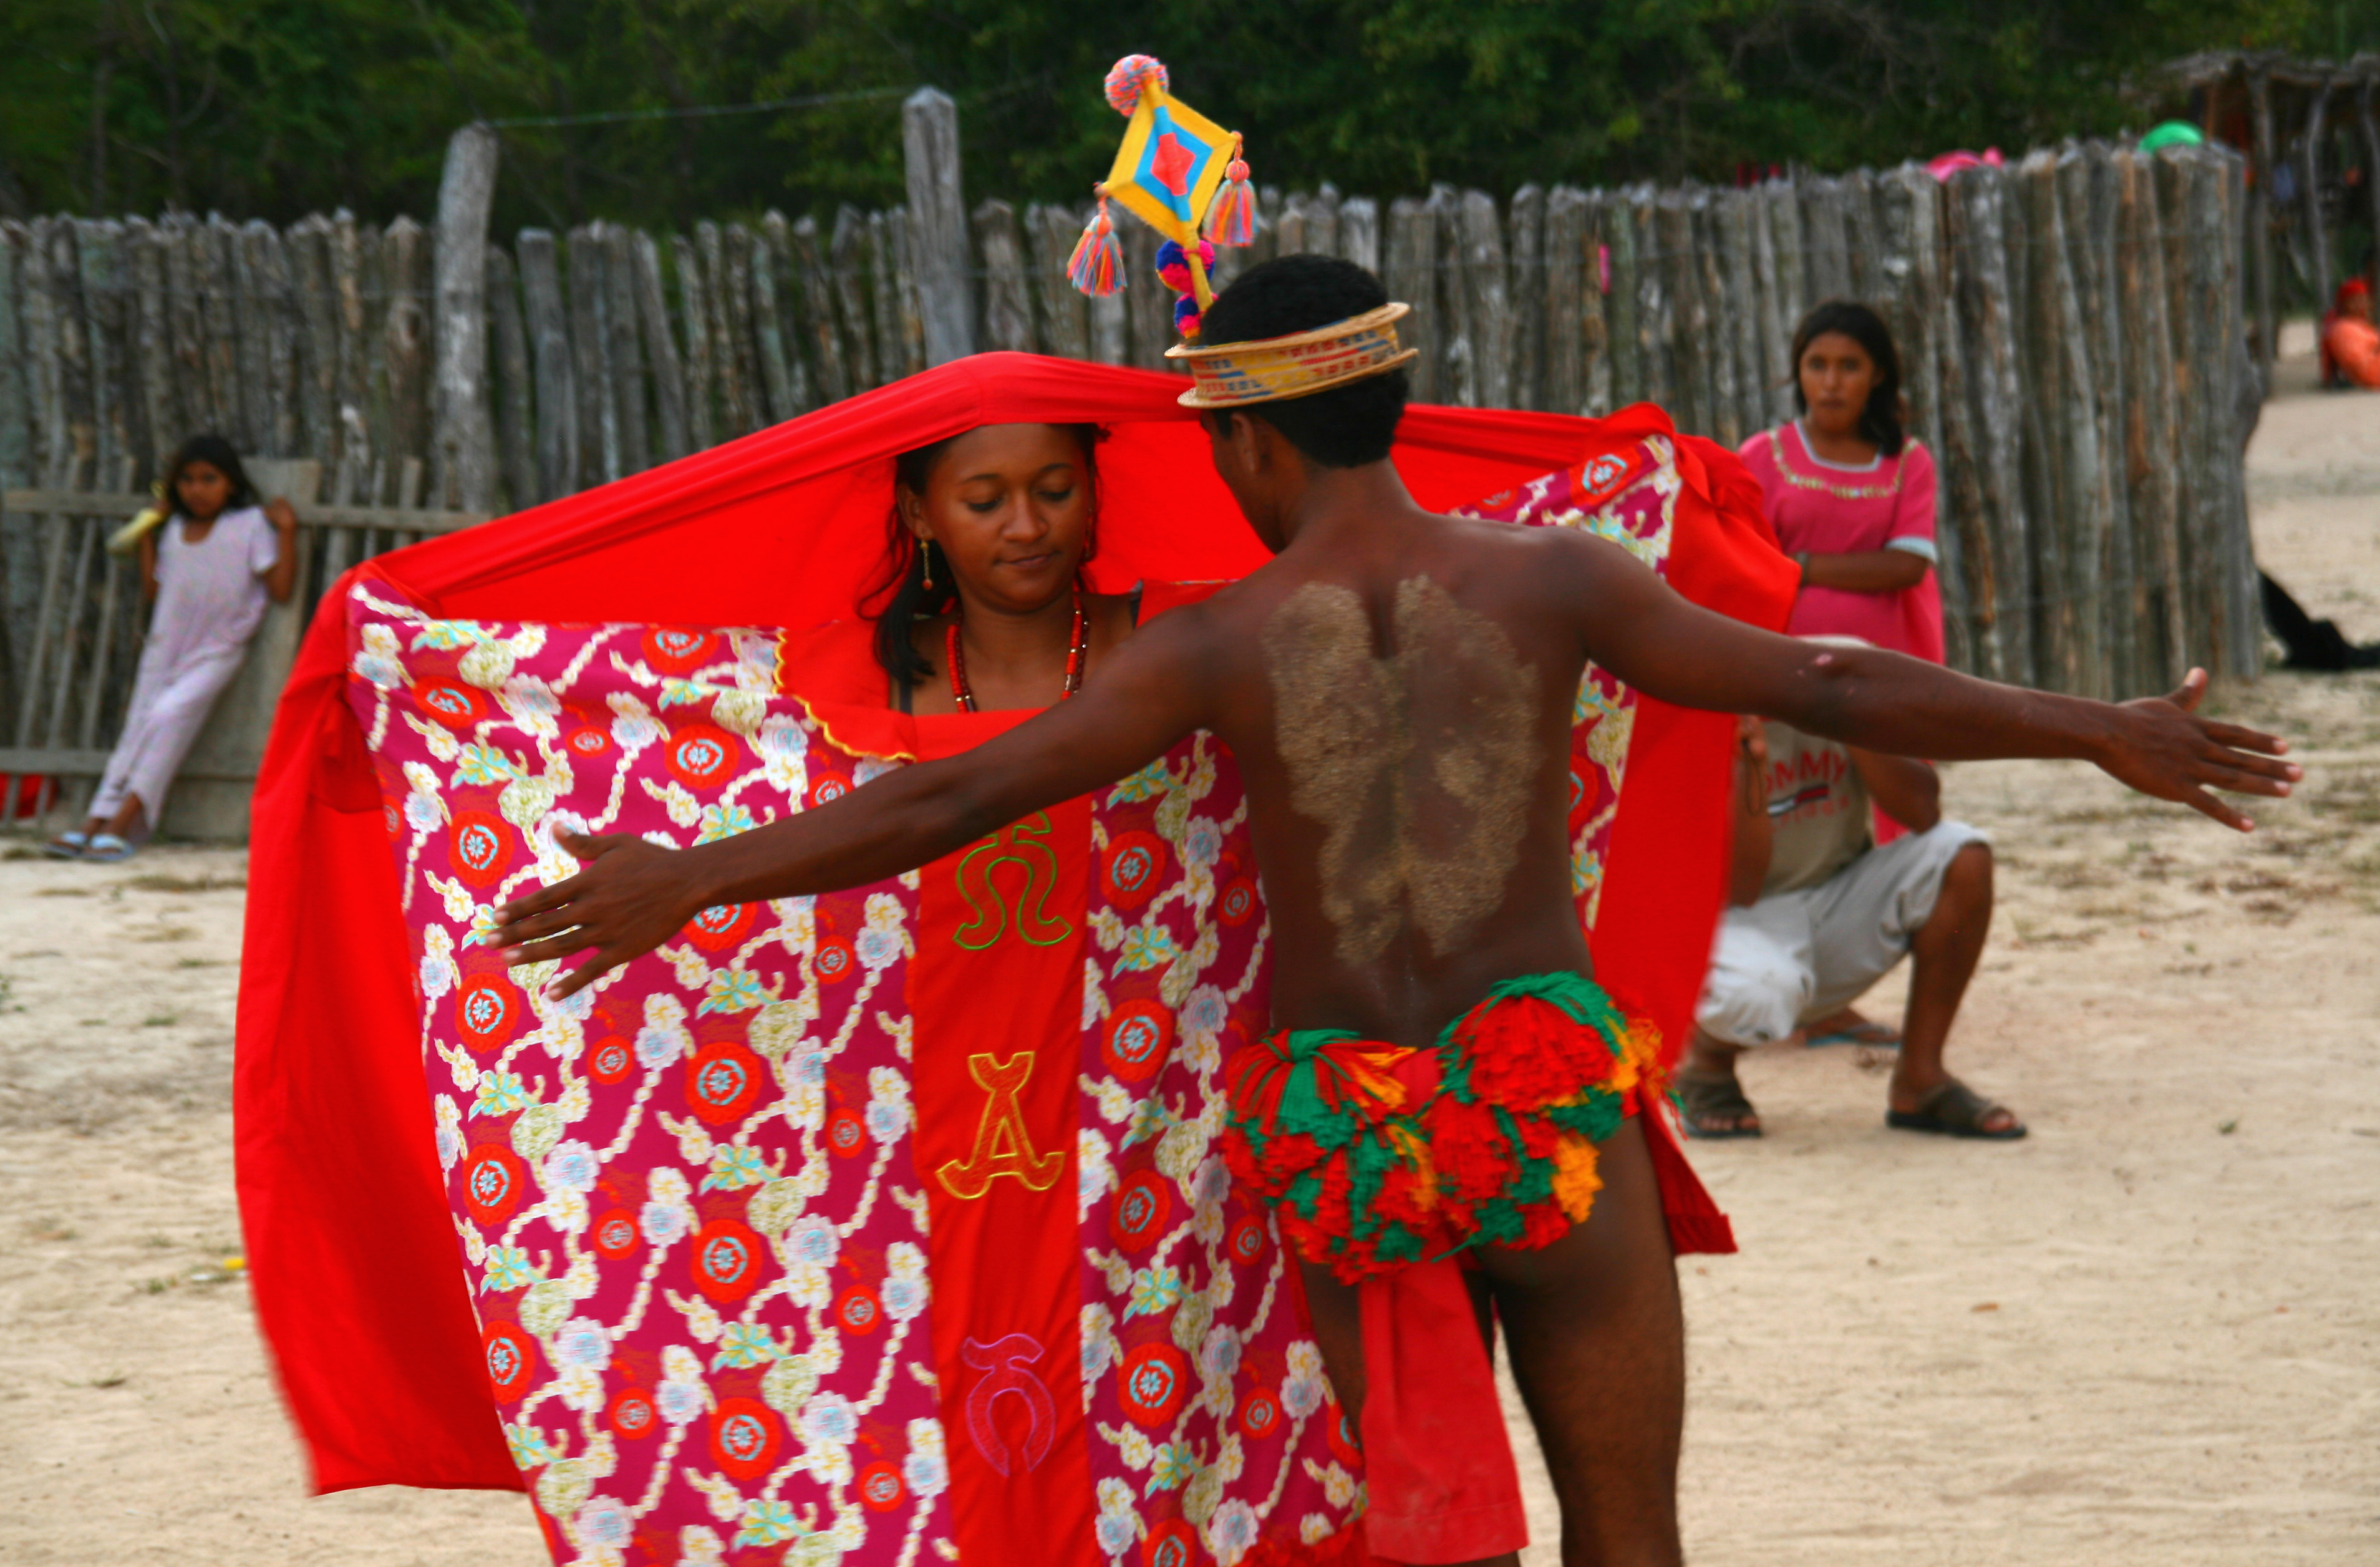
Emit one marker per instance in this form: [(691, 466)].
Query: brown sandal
[(1955, 1110), (1702, 1099)]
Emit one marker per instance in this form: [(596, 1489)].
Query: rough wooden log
[(2001, 584), (463, 463), (1359, 232), (2227, 177), (555, 366), (822, 340), (781, 368), (252, 313), (2369, 122), (734, 414), (1411, 276), (227, 389), (1863, 236), (1064, 322), (1569, 282), (354, 395), (1615, 234), (186, 327), (737, 252), (623, 353), (76, 410), (2090, 200), (1289, 233), (151, 336), (516, 399), (599, 425), (1709, 326), (1524, 335), (1007, 315), (1826, 240), (405, 253), (661, 349), (98, 248), (884, 295), (1771, 309), (284, 341), (317, 335), (1795, 293), (848, 266), (694, 331), (1654, 301), (1909, 200), (930, 142), (17, 446), (1457, 350), (2310, 149), (1486, 283), (901, 228), (1681, 348), (1322, 221), (1740, 312), (2264, 150), (2151, 435)]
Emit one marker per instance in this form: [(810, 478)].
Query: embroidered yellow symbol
[(1021, 843), (1003, 1144)]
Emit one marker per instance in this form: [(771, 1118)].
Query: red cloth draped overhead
[(351, 1248)]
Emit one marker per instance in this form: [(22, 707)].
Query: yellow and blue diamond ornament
[(1177, 171)]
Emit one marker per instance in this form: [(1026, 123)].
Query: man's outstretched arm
[(632, 896), (1636, 627)]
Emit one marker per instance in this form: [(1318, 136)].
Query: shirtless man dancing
[(1397, 688)]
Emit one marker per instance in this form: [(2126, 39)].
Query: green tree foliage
[(277, 107)]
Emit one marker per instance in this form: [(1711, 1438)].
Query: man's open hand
[(2162, 748), (630, 899)]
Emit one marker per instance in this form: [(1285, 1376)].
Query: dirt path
[(2143, 1335)]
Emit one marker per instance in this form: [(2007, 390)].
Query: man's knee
[(1966, 890), (1754, 1002)]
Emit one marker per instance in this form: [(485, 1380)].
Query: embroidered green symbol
[(1022, 843)]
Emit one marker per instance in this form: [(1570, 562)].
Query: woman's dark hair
[(1880, 421), (1347, 426), (900, 595), (217, 453)]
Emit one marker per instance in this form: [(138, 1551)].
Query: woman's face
[(1837, 376), (1010, 505), (205, 488)]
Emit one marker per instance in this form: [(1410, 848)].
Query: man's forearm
[(1902, 706), (895, 824)]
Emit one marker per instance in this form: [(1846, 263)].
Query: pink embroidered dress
[(1837, 508)]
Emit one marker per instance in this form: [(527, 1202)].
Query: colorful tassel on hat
[(1097, 266), (1233, 218)]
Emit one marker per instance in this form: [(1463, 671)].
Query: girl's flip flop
[(66, 845), (107, 846)]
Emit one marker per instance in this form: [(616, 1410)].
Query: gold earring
[(926, 550)]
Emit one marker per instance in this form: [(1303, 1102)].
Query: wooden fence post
[(661, 348), (929, 145), (599, 427), (781, 370), (2262, 151), (516, 419), (2002, 584), (694, 328), (1526, 268), (849, 266), (622, 351), (1064, 316), (1567, 279), (557, 390), (405, 253), (1487, 302), (2150, 435), (463, 467), (818, 311), (1359, 232), (1412, 277), (1007, 315)]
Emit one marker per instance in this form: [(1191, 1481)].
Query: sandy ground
[(2144, 1335)]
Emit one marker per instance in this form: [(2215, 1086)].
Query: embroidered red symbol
[(456, 707), (609, 1059), (674, 651), (834, 960), (1260, 1414), (746, 1438), (1247, 1241), (727, 1259), (631, 1414), (701, 757), (493, 1177), (1340, 1429), (1002, 1364), (588, 741), (1142, 1208), (846, 1133), (1155, 1381), (721, 928), (512, 1360), (1170, 1544), (1135, 864), (484, 1010), (827, 787), (480, 847), (615, 1234), (1238, 902), (1601, 478), (881, 1489), (1136, 1039), (391, 819), (856, 1311)]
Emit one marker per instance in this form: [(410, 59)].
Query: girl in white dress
[(212, 565)]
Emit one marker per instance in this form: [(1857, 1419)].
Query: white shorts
[(1801, 955)]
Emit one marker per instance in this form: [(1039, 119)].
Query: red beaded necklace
[(1077, 656)]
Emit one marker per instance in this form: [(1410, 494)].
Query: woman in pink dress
[(1851, 496)]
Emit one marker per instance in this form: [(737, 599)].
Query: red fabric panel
[(996, 1148), (358, 1283)]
